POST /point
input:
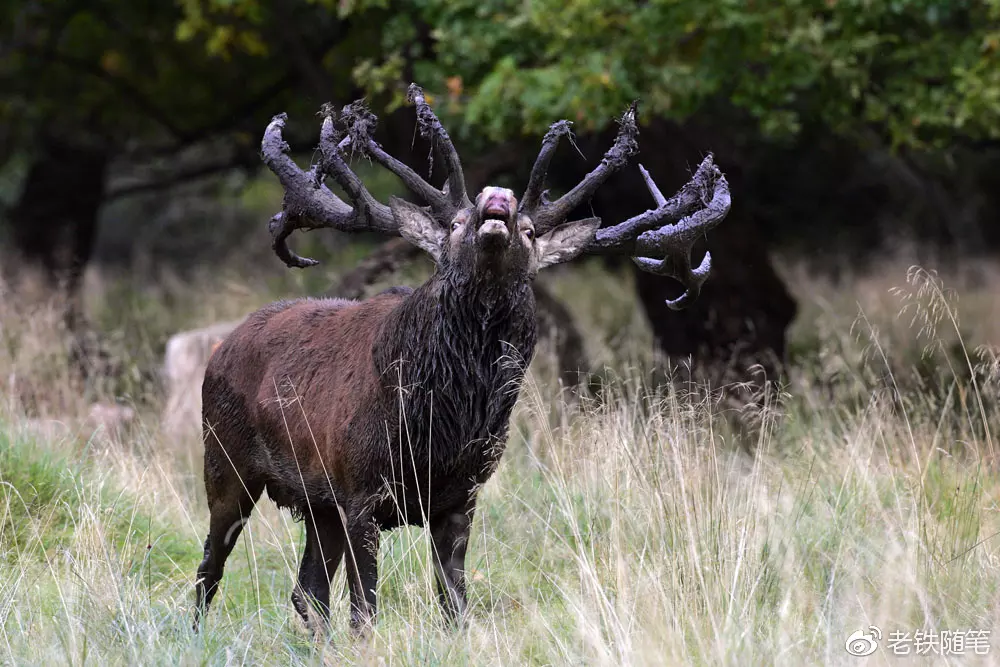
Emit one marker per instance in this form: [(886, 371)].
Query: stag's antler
[(668, 231), (309, 204), (660, 240), (671, 229), (546, 214)]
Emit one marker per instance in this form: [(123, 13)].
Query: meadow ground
[(625, 530)]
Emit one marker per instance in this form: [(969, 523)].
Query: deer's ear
[(417, 226), (565, 241)]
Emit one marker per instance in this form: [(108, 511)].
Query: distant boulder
[(184, 366), (110, 420)]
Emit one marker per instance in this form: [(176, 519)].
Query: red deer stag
[(364, 416)]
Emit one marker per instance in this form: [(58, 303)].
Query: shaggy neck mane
[(457, 349)]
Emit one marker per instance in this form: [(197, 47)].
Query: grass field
[(621, 531)]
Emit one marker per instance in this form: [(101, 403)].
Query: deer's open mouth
[(495, 216), (497, 213), (497, 209)]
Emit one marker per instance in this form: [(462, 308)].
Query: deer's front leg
[(362, 572), (450, 534)]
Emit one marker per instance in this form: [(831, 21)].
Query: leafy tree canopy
[(119, 71), (915, 72)]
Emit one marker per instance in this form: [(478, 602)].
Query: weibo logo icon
[(860, 643)]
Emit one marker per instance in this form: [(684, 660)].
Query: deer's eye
[(455, 225), (530, 233)]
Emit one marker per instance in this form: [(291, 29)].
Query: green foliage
[(43, 496), (905, 72), (913, 72), (916, 71)]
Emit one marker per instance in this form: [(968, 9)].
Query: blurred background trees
[(843, 125)]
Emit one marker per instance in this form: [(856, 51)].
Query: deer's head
[(491, 237)]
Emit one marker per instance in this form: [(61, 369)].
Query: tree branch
[(167, 181)]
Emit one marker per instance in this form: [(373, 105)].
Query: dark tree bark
[(735, 331), (385, 260), (52, 229), (556, 323), (53, 224)]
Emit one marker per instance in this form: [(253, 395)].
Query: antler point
[(413, 92)]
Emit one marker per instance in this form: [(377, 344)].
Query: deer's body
[(398, 405), (363, 416)]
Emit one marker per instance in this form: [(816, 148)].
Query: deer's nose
[(496, 203)]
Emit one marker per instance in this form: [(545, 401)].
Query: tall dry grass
[(619, 530)]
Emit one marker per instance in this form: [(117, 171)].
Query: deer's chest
[(448, 428)]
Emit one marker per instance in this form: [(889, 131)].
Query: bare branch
[(165, 181), (384, 260)]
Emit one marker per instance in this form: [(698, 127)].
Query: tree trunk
[(735, 331), (53, 224), (52, 229)]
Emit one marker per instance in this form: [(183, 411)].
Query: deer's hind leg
[(229, 513), (320, 559), (233, 486)]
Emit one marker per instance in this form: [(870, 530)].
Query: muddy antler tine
[(309, 204), (625, 145), (279, 235), (534, 194), (675, 242), (653, 188), (661, 239), (431, 129)]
